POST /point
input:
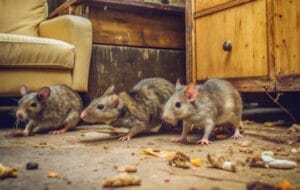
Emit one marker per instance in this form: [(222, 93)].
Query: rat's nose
[(19, 115), (83, 115), (168, 119)]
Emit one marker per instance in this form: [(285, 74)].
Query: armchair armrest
[(77, 31)]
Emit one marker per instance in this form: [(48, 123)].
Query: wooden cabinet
[(253, 43)]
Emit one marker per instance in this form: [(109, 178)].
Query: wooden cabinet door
[(201, 5), (245, 26), (287, 37)]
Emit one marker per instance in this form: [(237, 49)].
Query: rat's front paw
[(204, 141), (57, 132), (179, 140), (26, 133), (237, 135), (124, 138)]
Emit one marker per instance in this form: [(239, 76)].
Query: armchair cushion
[(77, 31), (18, 51), (22, 16)]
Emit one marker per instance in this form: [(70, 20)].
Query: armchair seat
[(19, 52), (37, 51)]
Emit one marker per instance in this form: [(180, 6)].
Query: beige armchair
[(38, 52)]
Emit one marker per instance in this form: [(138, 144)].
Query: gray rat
[(214, 102), (140, 110), (55, 109)]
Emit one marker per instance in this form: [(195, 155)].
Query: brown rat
[(49, 109), (214, 102), (140, 110)]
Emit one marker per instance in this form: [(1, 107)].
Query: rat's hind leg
[(70, 122), (237, 123)]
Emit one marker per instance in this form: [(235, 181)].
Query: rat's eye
[(100, 106), (33, 104), (177, 104)]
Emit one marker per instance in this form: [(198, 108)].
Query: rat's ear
[(178, 84), (23, 90), (109, 91), (115, 100), (43, 94), (191, 92)]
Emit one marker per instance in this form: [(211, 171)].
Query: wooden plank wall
[(130, 28), (125, 66)]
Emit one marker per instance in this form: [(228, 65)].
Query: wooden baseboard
[(288, 83)]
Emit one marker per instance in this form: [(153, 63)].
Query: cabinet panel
[(287, 37), (245, 26), (206, 4)]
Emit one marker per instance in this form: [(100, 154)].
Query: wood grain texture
[(131, 23), (135, 29), (125, 66), (207, 4), (135, 5), (287, 37), (270, 40), (63, 8), (288, 83), (189, 39), (207, 7), (257, 84), (245, 26)]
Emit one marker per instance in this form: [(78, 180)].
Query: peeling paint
[(146, 55), (140, 74), (102, 68)]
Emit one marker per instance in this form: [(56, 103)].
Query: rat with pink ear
[(140, 110), (55, 109), (214, 102)]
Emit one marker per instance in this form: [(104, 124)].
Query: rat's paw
[(204, 141), (179, 139), (57, 132), (26, 133), (237, 136), (124, 138)]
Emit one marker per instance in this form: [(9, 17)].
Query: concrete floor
[(83, 165)]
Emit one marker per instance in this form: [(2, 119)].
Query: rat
[(214, 102), (55, 109), (139, 110)]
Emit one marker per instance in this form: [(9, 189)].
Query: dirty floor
[(83, 165)]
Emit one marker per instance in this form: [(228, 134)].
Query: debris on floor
[(126, 168), (196, 162), (244, 143), (271, 162), (121, 180), (257, 185), (266, 160), (220, 162), (294, 128), (180, 160), (148, 156), (32, 166), (158, 153), (285, 185), (269, 124), (256, 162), (53, 174), (245, 150), (6, 171)]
